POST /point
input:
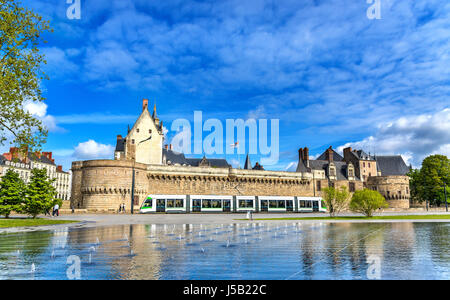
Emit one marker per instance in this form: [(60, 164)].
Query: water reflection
[(237, 251)]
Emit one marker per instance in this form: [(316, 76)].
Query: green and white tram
[(227, 204), (276, 204), (245, 203), (164, 203), (211, 203)]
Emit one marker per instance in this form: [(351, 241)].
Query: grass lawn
[(5, 223), (410, 217)]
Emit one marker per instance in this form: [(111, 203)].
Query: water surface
[(239, 251)]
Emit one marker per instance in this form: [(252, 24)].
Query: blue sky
[(330, 74)]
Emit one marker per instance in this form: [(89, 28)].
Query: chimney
[(38, 154), (300, 155), (119, 137), (166, 146), (170, 147), (14, 152), (59, 168), (347, 152), (8, 156), (144, 104), (330, 154), (306, 156), (48, 155)]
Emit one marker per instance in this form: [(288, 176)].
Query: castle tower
[(144, 141)]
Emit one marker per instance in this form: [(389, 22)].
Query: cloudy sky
[(331, 75)]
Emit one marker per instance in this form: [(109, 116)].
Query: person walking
[(56, 210)]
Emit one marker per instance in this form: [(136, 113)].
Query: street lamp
[(133, 176)]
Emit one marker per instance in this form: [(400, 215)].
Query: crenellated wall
[(102, 185), (395, 189)]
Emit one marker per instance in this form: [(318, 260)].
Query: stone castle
[(102, 185)]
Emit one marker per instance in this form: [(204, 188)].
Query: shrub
[(367, 201)]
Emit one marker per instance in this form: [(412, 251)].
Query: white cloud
[(39, 110), (93, 150), (414, 137)]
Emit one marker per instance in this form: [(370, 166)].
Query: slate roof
[(248, 164), (120, 145), (392, 165), (363, 155), (179, 158), (336, 156), (341, 167), (174, 157), (214, 162), (42, 159)]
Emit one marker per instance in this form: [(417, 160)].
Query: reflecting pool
[(238, 251)]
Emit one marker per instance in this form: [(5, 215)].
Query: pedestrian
[(123, 207), (120, 208), (56, 210)]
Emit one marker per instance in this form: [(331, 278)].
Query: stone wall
[(394, 188), (102, 185)]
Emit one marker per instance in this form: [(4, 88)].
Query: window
[(170, 203), (364, 165), (132, 142), (351, 173), (137, 130), (246, 203), (332, 171), (319, 185), (351, 187), (150, 131), (277, 204), (148, 203)]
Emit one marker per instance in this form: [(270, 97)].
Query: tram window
[(246, 203), (216, 203), (273, 204), (179, 203), (170, 203), (148, 203), (281, 203), (308, 203), (206, 203), (302, 203)]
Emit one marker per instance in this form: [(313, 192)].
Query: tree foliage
[(12, 191), (40, 193), (367, 201), (21, 76), (428, 182), (335, 199)]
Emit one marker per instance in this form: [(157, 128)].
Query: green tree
[(367, 201), (434, 173), (12, 194), (40, 193), (415, 186), (21, 32), (335, 199)]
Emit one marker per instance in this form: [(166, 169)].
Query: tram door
[(227, 205), (196, 205), (160, 205), (264, 205), (315, 206), (289, 205)]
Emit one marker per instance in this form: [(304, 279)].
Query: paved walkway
[(94, 220), (116, 219)]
